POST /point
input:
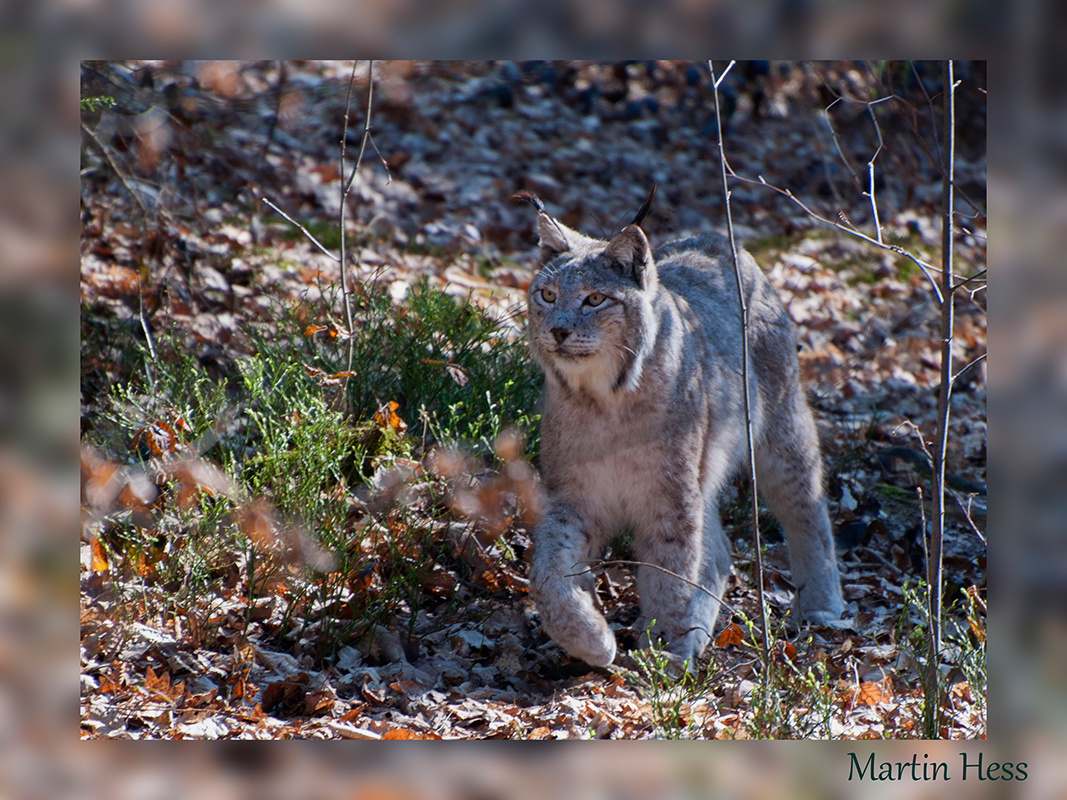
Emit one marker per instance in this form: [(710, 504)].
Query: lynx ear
[(630, 254), (556, 238)]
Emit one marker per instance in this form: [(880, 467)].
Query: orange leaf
[(158, 438), (354, 714), (732, 634), (961, 691), (138, 562), (387, 417), (311, 330), (161, 683), (870, 694), (99, 557), (785, 650), (401, 733)]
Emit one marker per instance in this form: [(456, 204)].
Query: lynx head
[(590, 321)]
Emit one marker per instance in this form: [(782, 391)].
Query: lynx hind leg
[(684, 615), (789, 473), (564, 592)]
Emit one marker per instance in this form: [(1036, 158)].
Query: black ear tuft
[(645, 208), (533, 200)]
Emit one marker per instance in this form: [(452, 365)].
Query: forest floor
[(306, 521)]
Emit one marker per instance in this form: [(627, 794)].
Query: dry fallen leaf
[(402, 733), (732, 634)]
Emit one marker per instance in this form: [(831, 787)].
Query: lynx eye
[(547, 295), (595, 299)]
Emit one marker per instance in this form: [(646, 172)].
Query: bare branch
[(935, 159), (303, 230), (140, 287), (967, 513), (933, 116), (144, 321), (874, 204), (114, 167), (341, 212), (598, 563), (283, 75), (969, 365), (978, 277), (722, 77), (744, 372), (367, 133), (385, 165), (931, 714), (870, 167), (849, 229), (837, 142), (845, 225)]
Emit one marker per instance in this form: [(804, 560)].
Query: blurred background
[(39, 754)]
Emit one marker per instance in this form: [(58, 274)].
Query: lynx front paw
[(569, 617), (821, 617), (824, 607)]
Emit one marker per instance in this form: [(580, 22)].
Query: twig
[(744, 369), (918, 435), (837, 142), (927, 269), (977, 277), (147, 335), (856, 675), (344, 198), (933, 116), (347, 184), (937, 161), (931, 689), (597, 563), (366, 132), (144, 322), (838, 98), (283, 74), (114, 168), (385, 164), (303, 230), (969, 365), (140, 288), (722, 77), (870, 167), (874, 204), (967, 513)]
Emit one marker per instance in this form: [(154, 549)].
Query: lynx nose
[(561, 334)]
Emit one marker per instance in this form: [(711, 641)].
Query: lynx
[(643, 425)]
